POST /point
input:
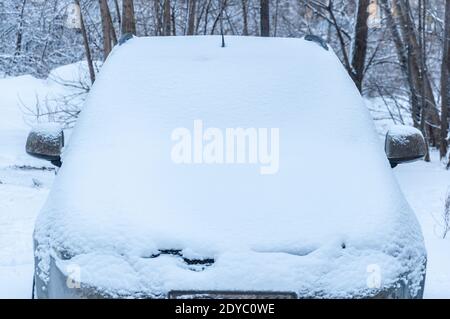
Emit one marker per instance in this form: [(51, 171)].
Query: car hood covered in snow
[(330, 222)]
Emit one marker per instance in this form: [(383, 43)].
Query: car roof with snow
[(315, 226)]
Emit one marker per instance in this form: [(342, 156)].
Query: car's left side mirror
[(46, 142), (404, 144)]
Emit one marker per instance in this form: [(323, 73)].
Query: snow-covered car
[(248, 171)]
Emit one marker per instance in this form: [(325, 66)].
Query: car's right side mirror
[(404, 144), (46, 142)]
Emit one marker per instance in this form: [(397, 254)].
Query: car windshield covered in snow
[(254, 167)]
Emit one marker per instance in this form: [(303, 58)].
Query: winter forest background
[(393, 49)]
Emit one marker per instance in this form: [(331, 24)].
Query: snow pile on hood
[(132, 218)]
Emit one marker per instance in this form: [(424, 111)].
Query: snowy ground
[(25, 182), (425, 186)]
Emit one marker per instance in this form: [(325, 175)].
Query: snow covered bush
[(67, 89)]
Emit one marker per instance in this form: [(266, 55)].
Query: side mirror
[(46, 142), (404, 144)]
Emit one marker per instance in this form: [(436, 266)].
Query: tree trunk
[(106, 28), (423, 74), (265, 18), (86, 45), (191, 17), (119, 16), (128, 19), (245, 17), (402, 54), (275, 27), (111, 26), (167, 20), (360, 44), (173, 19), (19, 38), (431, 118), (158, 21), (20, 29), (445, 84)]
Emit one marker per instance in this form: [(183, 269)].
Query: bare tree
[(429, 115), (119, 16), (192, 7), (445, 84), (167, 18), (265, 18), (244, 17), (360, 43), (158, 18), (355, 65), (86, 45), (111, 25), (107, 27), (410, 46), (20, 29), (408, 67), (128, 18)]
